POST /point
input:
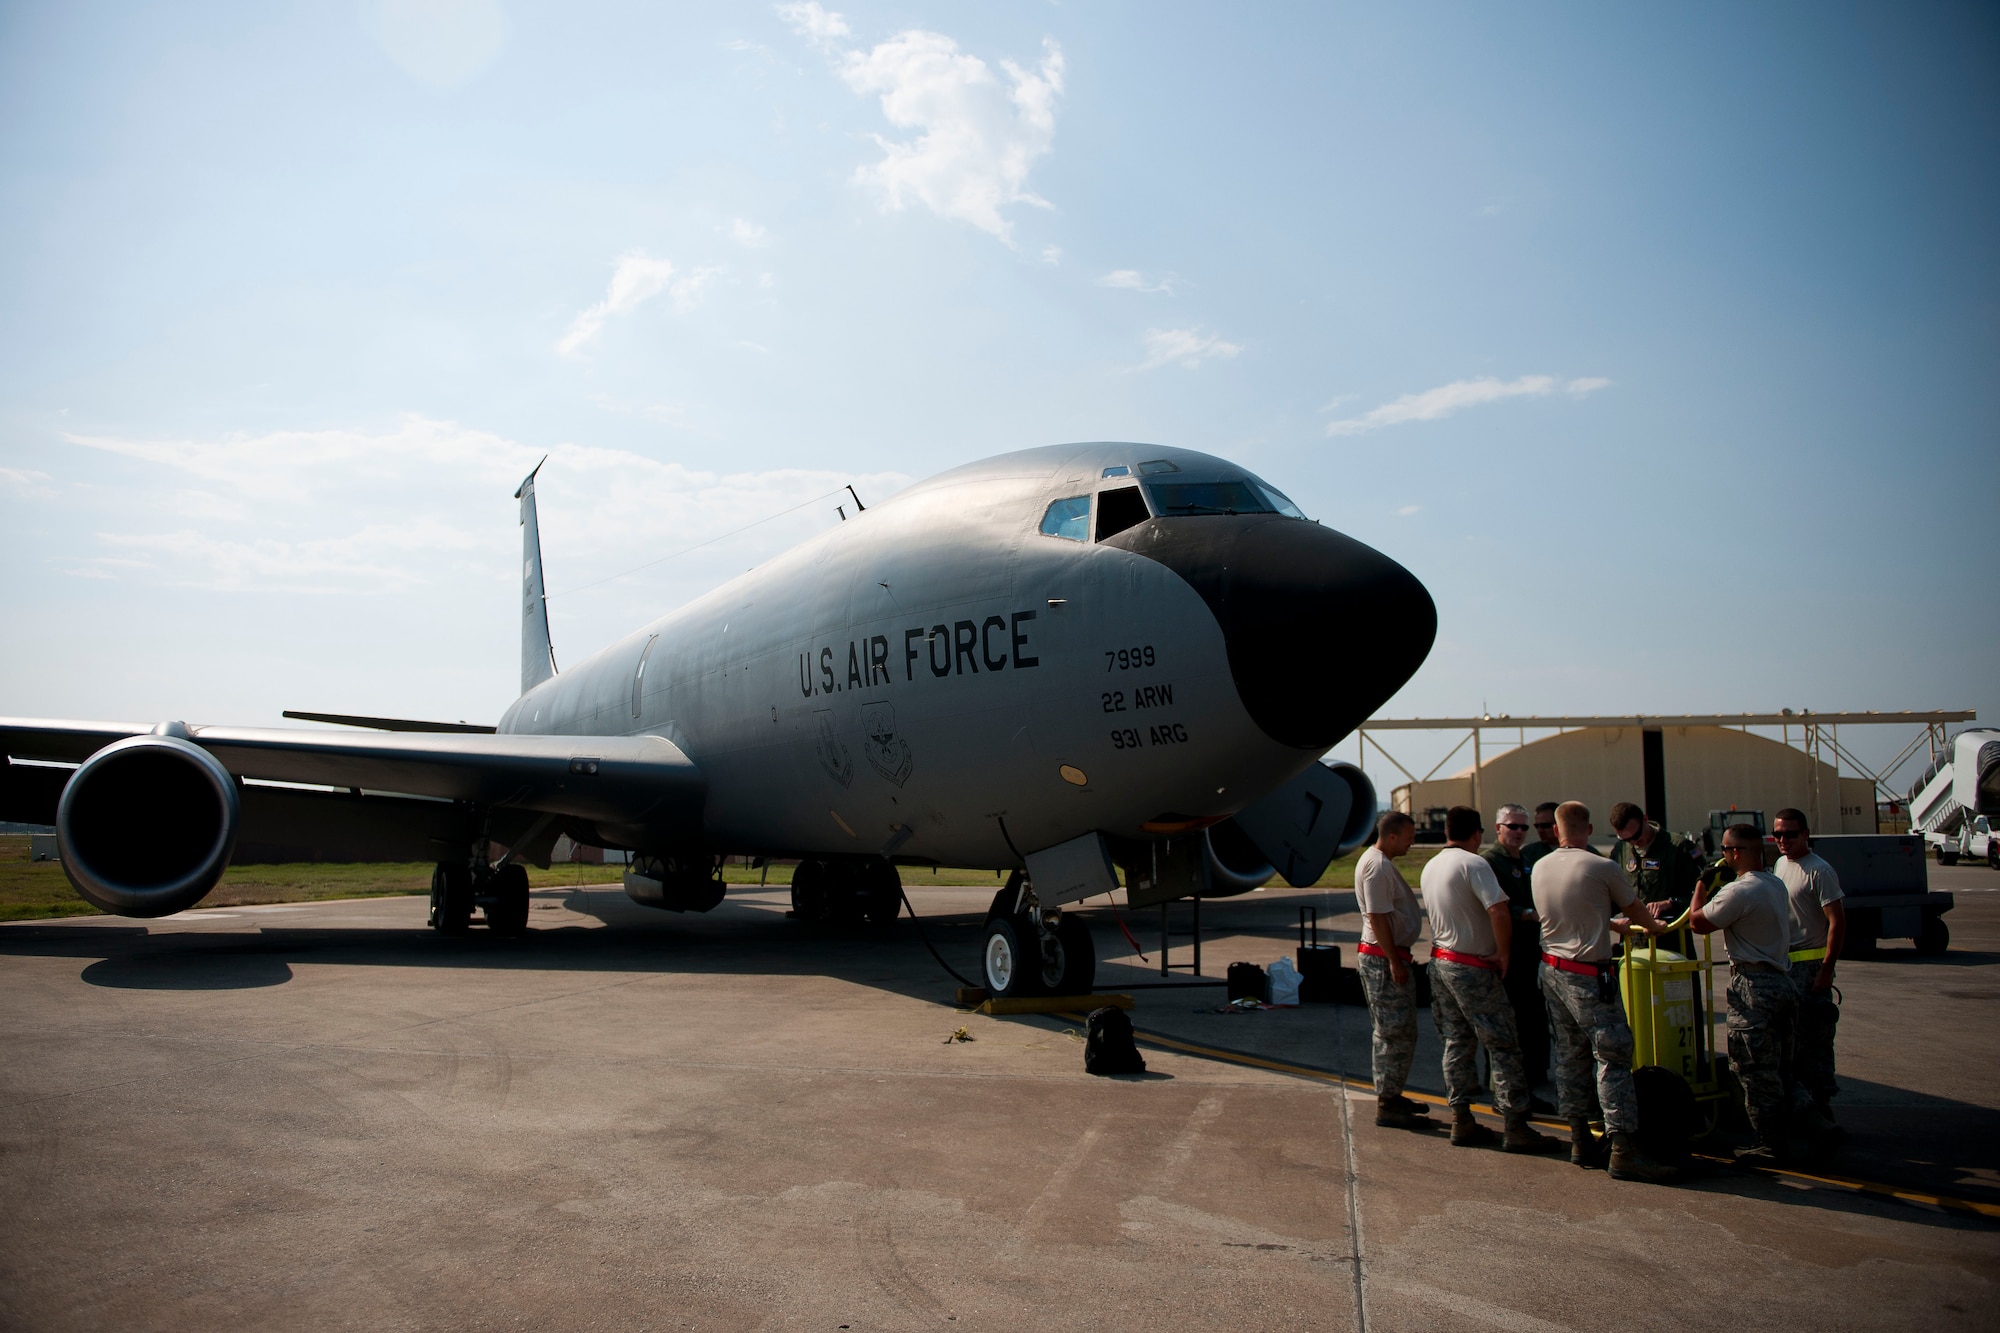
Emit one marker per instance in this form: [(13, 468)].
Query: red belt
[(1380, 952), (1462, 959), (1571, 965)]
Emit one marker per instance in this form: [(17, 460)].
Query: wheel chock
[(1053, 1004)]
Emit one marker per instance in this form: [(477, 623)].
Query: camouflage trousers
[(1471, 1009), (1812, 1051), (1592, 1042), (1394, 1011), (1763, 1009)]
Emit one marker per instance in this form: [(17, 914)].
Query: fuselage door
[(639, 674)]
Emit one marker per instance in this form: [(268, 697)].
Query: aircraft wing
[(631, 781)]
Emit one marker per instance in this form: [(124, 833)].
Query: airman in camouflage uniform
[(1754, 915), (1391, 921), (1664, 869), (1577, 895)]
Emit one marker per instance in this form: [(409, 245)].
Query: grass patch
[(37, 890)]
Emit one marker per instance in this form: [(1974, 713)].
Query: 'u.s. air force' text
[(962, 648)]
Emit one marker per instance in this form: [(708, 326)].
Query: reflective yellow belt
[(1807, 955)]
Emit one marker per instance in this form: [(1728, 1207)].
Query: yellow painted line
[(1945, 1201), (1053, 1004)]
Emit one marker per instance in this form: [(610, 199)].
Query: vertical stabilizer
[(538, 656)]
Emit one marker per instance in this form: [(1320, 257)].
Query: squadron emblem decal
[(833, 756), (887, 753)]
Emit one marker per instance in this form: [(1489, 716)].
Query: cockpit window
[(1117, 470), (1068, 518), (1208, 497), (1158, 467), (1279, 502), (1118, 509)]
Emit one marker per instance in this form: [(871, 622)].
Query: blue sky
[(1660, 343)]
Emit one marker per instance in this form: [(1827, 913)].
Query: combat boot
[(1408, 1107), (1523, 1137), (1467, 1132), (1390, 1115), (1629, 1163), (1584, 1149)]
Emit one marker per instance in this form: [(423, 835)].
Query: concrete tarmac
[(325, 1117)]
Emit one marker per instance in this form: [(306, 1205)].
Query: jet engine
[(1297, 831), (677, 882), (1234, 863), (146, 826)]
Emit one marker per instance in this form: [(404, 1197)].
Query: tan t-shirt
[(1380, 887), (1576, 895), (1458, 888), (1810, 884), (1755, 917)]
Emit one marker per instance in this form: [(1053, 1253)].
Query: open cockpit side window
[(1068, 518), (1118, 510)]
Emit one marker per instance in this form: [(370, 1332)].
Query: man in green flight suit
[(1662, 867)]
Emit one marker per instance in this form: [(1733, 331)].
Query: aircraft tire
[(1007, 967), (508, 914), (1079, 955), (451, 898), (809, 893), (1946, 858)]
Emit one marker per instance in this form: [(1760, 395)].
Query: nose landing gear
[(1033, 950)]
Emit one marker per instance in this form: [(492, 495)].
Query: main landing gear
[(457, 887), (1033, 950), (849, 891)]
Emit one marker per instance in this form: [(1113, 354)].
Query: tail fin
[(538, 656)]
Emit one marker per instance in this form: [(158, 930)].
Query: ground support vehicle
[(1688, 1096), (1958, 796), (1888, 892)]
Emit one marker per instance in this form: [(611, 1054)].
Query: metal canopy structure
[(1819, 736)]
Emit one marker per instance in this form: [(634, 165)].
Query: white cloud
[(977, 136), (749, 234), (1187, 347), (636, 279), (24, 480), (1446, 399), (1408, 510), (816, 25), (1052, 254), (1135, 281), (428, 502)]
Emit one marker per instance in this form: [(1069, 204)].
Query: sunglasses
[(1550, 824), (1787, 834), (1518, 828), (1738, 847)]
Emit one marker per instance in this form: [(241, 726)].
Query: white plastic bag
[(1284, 978)]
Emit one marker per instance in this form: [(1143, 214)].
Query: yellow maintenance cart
[(1684, 1084)]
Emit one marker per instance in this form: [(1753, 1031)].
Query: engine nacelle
[(1234, 863), (1361, 810), (146, 826), (674, 882)]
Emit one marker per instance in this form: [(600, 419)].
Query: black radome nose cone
[(1321, 629)]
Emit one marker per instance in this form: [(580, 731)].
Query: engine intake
[(146, 826)]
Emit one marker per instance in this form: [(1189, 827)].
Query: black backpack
[(1108, 1047)]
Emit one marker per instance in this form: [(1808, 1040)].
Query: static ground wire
[(905, 895)]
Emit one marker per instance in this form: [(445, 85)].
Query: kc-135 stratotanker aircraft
[(1064, 662)]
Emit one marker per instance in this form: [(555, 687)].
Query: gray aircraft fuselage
[(940, 677)]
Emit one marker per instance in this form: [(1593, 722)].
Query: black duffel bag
[(1108, 1047)]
